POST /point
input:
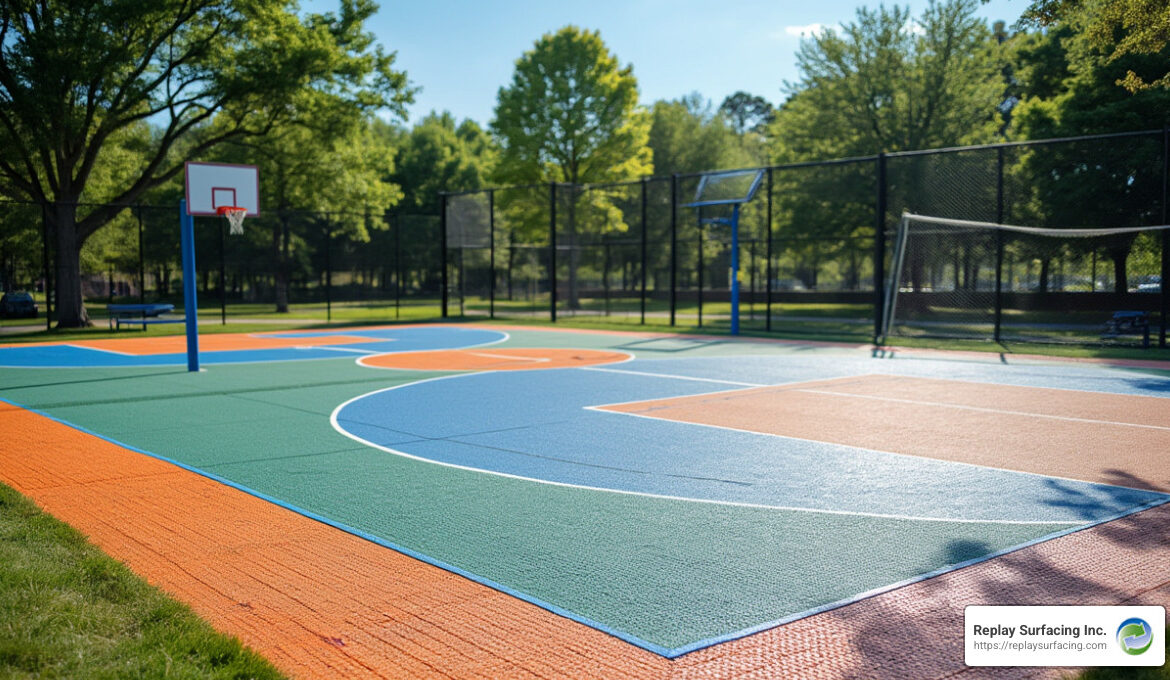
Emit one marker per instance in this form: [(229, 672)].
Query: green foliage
[(438, 155), (687, 136), (71, 612), (747, 112), (1143, 26), (571, 115), (887, 83), (76, 76)]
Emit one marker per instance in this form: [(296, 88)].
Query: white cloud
[(806, 31)]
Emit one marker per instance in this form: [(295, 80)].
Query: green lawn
[(69, 611)]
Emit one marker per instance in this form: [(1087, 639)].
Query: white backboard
[(214, 185)]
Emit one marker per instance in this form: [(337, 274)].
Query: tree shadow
[(917, 631)]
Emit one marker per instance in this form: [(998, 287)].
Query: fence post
[(768, 254), (644, 247), (328, 272), (1165, 280), (879, 247), (492, 254), (141, 258), (397, 266), (46, 266), (443, 253), (552, 252), (673, 246), (998, 242), (699, 297)]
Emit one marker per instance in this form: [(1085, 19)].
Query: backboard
[(214, 185), (729, 187)]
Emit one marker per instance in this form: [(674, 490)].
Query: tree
[(1145, 25), (333, 172), (571, 115), (686, 135), (1070, 85), (747, 112), (438, 155), (884, 82), (72, 75)]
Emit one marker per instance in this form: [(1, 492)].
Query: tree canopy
[(73, 75), (887, 82), (571, 114)]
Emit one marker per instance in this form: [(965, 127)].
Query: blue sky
[(460, 52)]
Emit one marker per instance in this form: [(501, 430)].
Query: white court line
[(339, 349), (675, 377), (506, 337), (508, 357), (982, 409), (333, 420)]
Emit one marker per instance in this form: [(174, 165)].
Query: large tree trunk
[(1120, 274), (70, 308)]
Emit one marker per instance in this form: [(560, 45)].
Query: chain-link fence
[(814, 251), (312, 266)]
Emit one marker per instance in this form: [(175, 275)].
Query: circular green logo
[(1135, 636)]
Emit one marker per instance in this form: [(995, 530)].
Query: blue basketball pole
[(735, 270), (190, 304)]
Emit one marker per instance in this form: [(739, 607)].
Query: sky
[(460, 52)]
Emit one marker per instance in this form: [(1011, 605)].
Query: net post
[(645, 245), (443, 254), (552, 252), (998, 243), (190, 290), (879, 248), (673, 246)]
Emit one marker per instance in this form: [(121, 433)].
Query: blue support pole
[(735, 270), (190, 304)]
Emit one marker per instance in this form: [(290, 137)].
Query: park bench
[(140, 314), (1128, 322)]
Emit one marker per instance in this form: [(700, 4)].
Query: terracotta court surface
[(478, 501)]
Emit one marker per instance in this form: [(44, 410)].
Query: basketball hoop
[(235, 218)]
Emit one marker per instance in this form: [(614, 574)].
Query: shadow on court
[(917, 631)]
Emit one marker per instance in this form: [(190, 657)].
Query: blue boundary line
[(666, 652)]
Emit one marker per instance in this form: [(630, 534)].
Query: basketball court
[(485, 500)]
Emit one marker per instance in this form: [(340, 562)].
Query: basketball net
[(235, 218)]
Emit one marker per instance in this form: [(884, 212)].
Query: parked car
[(1150, 284), (17, 305)]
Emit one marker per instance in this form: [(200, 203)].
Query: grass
[(1132, 672), (848, 323), (69, 611)]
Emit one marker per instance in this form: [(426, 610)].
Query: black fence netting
[(814, 252), (1053, 286)]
